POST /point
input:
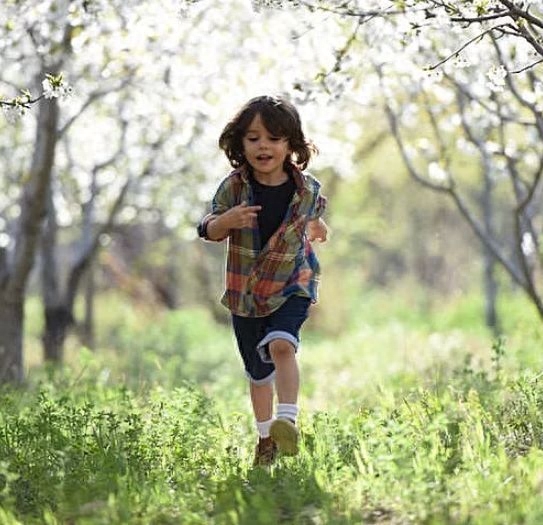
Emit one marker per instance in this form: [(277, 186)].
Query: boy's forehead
[(257, 125)]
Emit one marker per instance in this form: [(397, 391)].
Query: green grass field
[(410, 415)]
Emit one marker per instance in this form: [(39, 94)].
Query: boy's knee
[(281, 348)]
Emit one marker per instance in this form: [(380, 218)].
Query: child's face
[(265, 152)]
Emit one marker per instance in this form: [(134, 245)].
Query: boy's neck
[(270, 179), (274, 179)]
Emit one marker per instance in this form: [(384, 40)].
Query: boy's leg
[(287, 382), (279, 347), (262, 401), (287, 374), (248, 332)]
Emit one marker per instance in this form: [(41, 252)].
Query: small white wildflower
[(48, 89), (496, 78), (55, 87), (437, 173), (527, 245)]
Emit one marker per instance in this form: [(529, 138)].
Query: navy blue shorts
[(254, 334)]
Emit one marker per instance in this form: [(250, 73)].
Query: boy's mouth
[(263, 157)]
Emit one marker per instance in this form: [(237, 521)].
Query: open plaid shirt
[(259, 281)]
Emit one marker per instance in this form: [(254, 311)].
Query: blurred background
[(432, 176)]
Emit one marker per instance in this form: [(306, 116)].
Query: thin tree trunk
[(490, 283), (11, 340), (57, 318), (87, 330), (15, 272), (491, 292)]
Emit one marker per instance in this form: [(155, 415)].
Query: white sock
[(263, 428), (287, 411)]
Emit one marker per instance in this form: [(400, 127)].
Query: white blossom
[(461, 62), (432, 76), (4, 240), (496, 78), (185, 7), (259, 5), (527, 244), (55, 87), (437, 173)]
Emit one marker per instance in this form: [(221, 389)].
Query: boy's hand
[(240, 216), (317, 230)]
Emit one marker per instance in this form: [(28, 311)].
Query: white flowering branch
[(514, 20), (473, 40), (53, 86)]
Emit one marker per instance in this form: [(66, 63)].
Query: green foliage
[(467, 450), (405, 418)]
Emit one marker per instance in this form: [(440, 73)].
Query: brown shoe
[(265, 452), (285, 434)]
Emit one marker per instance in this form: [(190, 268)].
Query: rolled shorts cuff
[(262, 347), (265, 380)]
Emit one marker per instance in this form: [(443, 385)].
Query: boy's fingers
[(252, 209), (249, 208)]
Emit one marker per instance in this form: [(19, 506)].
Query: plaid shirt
[(258, 281)]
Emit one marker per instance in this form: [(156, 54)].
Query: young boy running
[(270, 211)]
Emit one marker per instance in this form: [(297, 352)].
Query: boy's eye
[(252, 139)]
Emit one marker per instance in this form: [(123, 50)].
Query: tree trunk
[(57, 317), (15, 272), (87, 330), (57, 321), (491, 292), (11, 339), (490, 285)]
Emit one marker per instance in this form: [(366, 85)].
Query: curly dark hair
[(280, 118)]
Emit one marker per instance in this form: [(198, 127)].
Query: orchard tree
[(132, 143), (17, 254), (460, 81)]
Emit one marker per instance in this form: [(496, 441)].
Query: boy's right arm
[(241, 216)]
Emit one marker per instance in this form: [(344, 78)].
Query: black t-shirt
[(275, 201)]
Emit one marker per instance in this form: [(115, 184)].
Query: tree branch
[(517, 12), (476, 38)]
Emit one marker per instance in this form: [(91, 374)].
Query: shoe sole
[(285, 434)]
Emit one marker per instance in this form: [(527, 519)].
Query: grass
[(419, 421)]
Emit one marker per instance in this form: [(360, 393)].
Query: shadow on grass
[(288, 492)]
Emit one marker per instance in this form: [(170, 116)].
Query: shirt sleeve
[(224, 197), (222, 201), (319, 202)]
